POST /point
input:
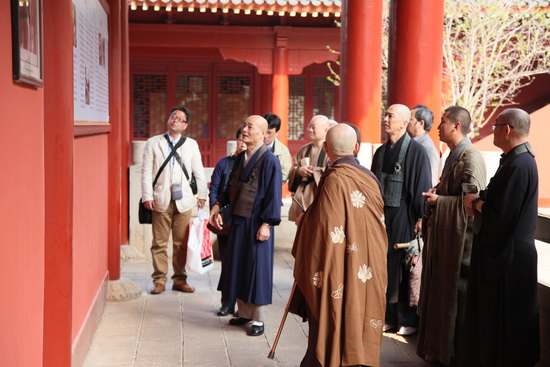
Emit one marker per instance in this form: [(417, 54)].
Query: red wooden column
[(361, 66), (416, 55), (125, 121), (58, 168), (114, 141), (280, 84), (265, 93)]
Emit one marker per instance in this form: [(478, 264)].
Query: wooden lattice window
[(192, 93), (296, 107), (232, 104), (148, 105), (323, 97)]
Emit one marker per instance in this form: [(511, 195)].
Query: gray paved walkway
[(176, 329)]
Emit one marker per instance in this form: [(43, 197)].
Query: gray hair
[(423, 113)]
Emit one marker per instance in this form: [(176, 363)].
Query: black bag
[(145, 215), (193, 184), (225, 213), (223, 232)]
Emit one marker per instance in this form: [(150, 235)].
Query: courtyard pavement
[(177, 329)]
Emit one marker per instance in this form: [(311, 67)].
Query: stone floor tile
[(178, 329)]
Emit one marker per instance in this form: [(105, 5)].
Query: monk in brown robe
[(308, 166), (340, 268), (448, 249)]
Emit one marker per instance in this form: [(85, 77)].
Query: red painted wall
[(22, 208), (90, 224), (538, 138)]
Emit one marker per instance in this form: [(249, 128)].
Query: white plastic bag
[(199, 246)]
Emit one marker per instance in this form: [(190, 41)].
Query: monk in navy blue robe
[(248, 267), (252, 206)]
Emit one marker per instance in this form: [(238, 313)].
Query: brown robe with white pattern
[(340, 250)]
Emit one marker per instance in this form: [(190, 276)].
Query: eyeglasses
[(495, 125), (178, 119)]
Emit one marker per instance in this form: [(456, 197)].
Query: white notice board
[(91, 62)]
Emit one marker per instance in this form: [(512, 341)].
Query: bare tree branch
[(491, 50)]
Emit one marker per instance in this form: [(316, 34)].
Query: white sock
[(257, 323)]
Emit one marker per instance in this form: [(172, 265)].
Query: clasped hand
[(305, 171)]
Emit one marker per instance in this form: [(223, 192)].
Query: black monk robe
[(502, 313), (400, 221)]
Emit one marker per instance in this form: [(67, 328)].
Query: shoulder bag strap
[(172, 153), (176, 155)]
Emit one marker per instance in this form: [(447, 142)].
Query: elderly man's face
[(500, 130), (393, 123), (252, 134), (413, 123), (317, 130)]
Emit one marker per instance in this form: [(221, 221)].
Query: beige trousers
[(163, 223)]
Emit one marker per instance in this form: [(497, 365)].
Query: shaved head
[(401, 111), (395, 121), (517, 118), (317, 128), (341, 141), (254, 131), (259, 121)]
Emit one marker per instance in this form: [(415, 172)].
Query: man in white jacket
[(171, 199)]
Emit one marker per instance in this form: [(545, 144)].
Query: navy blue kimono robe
[(219, 177), (247, 273)]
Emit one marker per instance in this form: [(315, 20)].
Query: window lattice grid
[(233, 104), (192, 92), (296, 107), (323, 97), (149, 105)]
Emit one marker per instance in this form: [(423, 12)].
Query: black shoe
[(256, 330), (224, 311), (239, 321)]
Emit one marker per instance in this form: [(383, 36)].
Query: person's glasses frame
[(493, 126), (178, 119)]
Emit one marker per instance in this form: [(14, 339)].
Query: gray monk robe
[(446, 258)]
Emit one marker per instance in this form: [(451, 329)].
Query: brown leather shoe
[(159, 288), (183, 287)]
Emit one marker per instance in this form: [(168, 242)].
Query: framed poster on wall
[(91, 66), (26, 24)]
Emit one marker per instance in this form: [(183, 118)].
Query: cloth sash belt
[(392, 183), (243, 193)]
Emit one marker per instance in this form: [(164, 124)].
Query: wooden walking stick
[(271, 354)]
